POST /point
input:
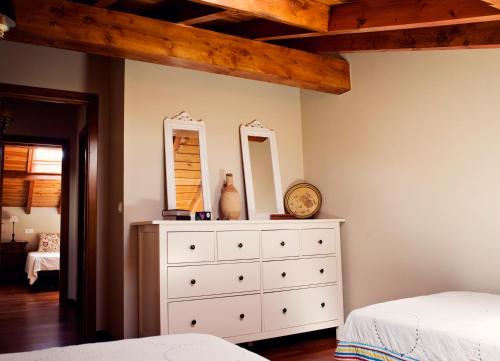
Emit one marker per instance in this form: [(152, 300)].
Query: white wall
[(153, 92), (410, 157), (40, 219), (67, 70)]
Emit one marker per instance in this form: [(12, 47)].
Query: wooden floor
[(33, 320), (315, 346)]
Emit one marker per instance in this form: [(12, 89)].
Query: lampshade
[(7, 16), (14, 219)]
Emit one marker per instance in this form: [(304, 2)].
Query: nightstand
[(12, 261)]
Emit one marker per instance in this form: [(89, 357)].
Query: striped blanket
[(450, 326), (354, 351)]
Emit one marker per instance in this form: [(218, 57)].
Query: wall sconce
[(7, 17)]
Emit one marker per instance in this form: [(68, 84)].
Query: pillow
[(48, 242)]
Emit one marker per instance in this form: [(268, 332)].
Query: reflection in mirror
[(187, 168), (186, 164), (262, 171), (262, 174)]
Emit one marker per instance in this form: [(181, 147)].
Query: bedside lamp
[(14, 220)]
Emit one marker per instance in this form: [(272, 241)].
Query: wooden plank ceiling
[(239, 37), (326, 26), (23, 186)]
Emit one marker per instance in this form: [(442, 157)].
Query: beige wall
[(45, 220), (153, 92), (410, 157), (66, 70)]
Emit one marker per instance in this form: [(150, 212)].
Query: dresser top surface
[(239, 222)]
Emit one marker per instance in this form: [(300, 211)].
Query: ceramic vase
[(230, 201)]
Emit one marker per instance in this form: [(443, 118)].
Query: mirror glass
[(187, 170), (262, 174)]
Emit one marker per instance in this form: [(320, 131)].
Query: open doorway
[(34, 188), (31, 203), (48, 187)]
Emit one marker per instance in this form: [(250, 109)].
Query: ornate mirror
[(262, 170), (186, 164)]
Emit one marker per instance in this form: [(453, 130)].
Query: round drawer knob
[(284, 310), (283, 274), (323, 305), (242, 316), (240, 278), (240, 245), (282, 243), (192, 247), (193, 281), (193, 323), (322, 271), (320, 241)]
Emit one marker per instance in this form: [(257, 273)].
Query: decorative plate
[(303, 200)]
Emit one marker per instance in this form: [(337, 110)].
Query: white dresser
[(240, 280)]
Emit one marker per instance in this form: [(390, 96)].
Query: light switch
[(28, 230)]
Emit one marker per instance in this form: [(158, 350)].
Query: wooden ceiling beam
[(331, 2), (225, 15), (29, 202), (494, 3), (256, 29), (399, 15), (307, 14), (105, 3), (14, 174), (73, 26), (376, 16), (466, 36)]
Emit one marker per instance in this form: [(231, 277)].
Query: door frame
[(91, 104)]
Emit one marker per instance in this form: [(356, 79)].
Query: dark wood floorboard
[(31, 319), (313, 346)]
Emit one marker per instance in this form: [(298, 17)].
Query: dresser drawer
[(190, 247), (213, 279), (318, 241), (235, 245), (222, 317), (299, 307), (280, 243), (300, 272)]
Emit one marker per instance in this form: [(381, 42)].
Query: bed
[(458, 326), (182, 347), (40, 262)]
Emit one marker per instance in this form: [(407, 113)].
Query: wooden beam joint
[(29, 202), (307, 14)]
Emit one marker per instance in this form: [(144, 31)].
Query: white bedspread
[(41, 261), (458, 326), (186, 347)]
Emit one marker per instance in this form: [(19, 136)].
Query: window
[(47, 160)]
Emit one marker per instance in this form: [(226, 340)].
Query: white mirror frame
[(184, 121), (257, 129)]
